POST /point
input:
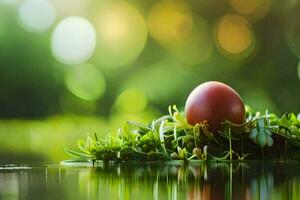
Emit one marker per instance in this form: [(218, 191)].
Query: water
[(175, 180)]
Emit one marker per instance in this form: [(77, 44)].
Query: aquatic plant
[(170, 137)]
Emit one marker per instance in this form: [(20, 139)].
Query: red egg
[(215, 102)]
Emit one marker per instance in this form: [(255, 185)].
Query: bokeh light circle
[(170, 21), (244, 6), (234, 34), (66, 8), (256, 9), (86, 82), (131, 101), (73, 40), (292, 29), (122, 33), (189, 38), (9, 2), (36, 15), (298, 70), (197, 47)]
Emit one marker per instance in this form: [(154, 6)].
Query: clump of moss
[(171, 137)]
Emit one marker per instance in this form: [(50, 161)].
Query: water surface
[(175, 180)]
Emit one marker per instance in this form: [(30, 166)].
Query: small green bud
[(294, 129), (188, 138), (261, 139), (269, 140), (197, 152), (174, 156)]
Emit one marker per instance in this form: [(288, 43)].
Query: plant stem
[(242, 148), (230, 149)]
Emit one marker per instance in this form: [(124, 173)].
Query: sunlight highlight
[(233, 34), (292, 30), (122, 33), (73, 40), (66, 8), (256, 9), (131, 101), (9, 2), (189, 38), (86, 82), (170, 21), (197, 47), (36, 15)]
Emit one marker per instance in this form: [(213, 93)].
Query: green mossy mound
[(170, 137)]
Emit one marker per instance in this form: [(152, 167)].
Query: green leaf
[(158, 121), (294, 120), (90, 143), (170, 112), (284, 121), (269, 140), (182, 153), (139, 125), (253, 134), (261, 135), (179, 118), (81, 146), (76, 154)]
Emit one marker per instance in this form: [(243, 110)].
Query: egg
[(214, 102)]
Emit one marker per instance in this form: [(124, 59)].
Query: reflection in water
[(236, 180)]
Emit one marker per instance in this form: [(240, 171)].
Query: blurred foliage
[(247, 44), (44, 140), (146, 53)]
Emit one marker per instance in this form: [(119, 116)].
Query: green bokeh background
[(40, 114)]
